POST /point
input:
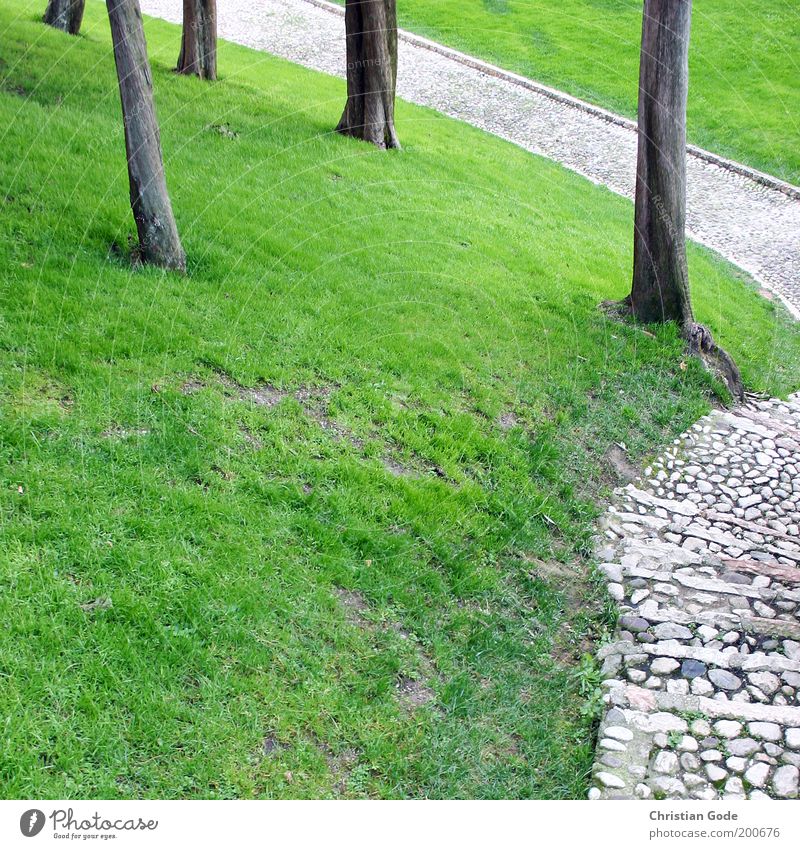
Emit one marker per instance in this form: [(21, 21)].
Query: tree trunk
[(371, 27), (65, 15), (660, 290), (199, 41), (159, 243)]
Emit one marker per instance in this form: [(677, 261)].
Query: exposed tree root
[(717, 360), (699, 342)]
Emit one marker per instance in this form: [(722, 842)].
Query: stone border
[(742, 170)]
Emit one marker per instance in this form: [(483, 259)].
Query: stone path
[(702, 681), (755, 226)]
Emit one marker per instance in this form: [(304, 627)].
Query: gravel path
[(754, 226), (702, 681)]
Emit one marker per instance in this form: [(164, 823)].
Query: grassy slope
[(744, 88), (428, 293)]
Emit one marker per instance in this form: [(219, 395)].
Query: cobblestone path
[(702, 682)]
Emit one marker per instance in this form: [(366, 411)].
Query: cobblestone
[(717, 634)]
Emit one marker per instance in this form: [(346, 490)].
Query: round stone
[(616, 591), (728, 728), (668, 785), (734, 786), (700, 728), (724, 680), (766, 731), (691, 668), (671, 631), (665, 762), (663, 665), (785, 781), (608, 779), (633, 623), (689, 762), (702, 687), (757, 775), (618, 732), (743, 747)]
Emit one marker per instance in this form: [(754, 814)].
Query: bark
[(159, 243), (371, 39), (65, 15), (660, 289), (198, 54)]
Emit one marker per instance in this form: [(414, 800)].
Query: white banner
[(405, 825)]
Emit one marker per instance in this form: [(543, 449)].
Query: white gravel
[(754, 226)]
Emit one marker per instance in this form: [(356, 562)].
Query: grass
[(313, 520), (744, 67)]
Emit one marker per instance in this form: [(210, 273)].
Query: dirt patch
[(270, 745), (336, 431), (354, 605), (118, 432), (14, 88), (191, 386), (414, 693), (102, 603), (508, 420), (313, 400), (315, 403), (552, 571), (395, 468), (616, 459), (250, 438), (223, 130), (570, 580), (340, 764), (263, 394), (40, 395), (311, 395)]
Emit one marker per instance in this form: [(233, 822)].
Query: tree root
[(699, 342), (717, 360)]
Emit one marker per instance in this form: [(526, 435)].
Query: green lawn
[(314, 519), (744, 89)]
